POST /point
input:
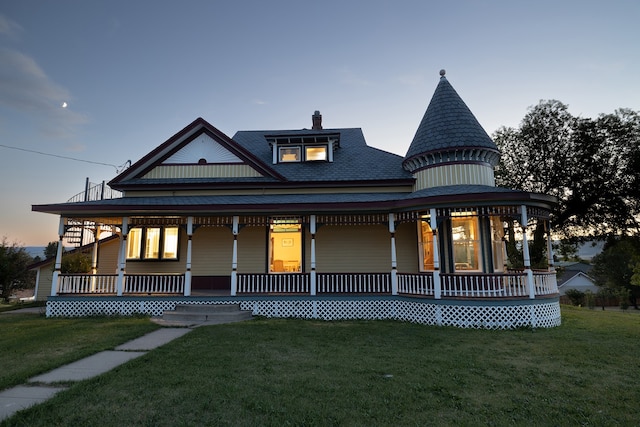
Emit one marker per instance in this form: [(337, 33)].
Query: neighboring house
[(314, 223), (575, 275)]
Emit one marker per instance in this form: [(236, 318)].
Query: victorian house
[(312, 223)]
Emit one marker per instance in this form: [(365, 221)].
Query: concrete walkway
[(42, 387)]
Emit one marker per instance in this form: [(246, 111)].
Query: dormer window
[(289, 154), (303, 148), (317, 153)]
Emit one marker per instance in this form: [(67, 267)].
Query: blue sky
[(133, 73)]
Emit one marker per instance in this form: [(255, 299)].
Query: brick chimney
[(317, 120)]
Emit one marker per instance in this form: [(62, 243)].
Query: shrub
[(590, 299), (575, 296)]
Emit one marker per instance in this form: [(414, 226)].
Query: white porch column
[(525, 252), (312, 276), (58, 265), (437, 286), (187, 274), (549, 247), (234, 257), (94, 256), (122, 256), (394, 259), (94, 252)]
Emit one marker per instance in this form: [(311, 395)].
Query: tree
[(14, 274), (615, 269), (77, 262), (591, 166), (51, 250)]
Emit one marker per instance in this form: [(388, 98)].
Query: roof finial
[(442, 72)]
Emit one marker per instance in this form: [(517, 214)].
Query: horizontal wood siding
[(211, 252), (152, 266), (44, 283), (202, 171), (252, 250), (457, 174), (108, 257), (353, 249), (262, 191), (407, 247)]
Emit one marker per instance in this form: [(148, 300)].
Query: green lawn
[(294, 372), (31, 344)]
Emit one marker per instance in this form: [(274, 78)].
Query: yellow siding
[(150, 267), (353, 249), (108, 257), (252, 250), (407, 247), (262, 191), (212, 251), (202, 171), (44, 283), (457, 174)]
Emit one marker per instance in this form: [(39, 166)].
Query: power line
[(60, 157)]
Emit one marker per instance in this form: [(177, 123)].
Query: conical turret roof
[(448, 124)]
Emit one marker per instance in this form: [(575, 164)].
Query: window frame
[(293, 147), (475, 243), (322, 146), (141, 243)]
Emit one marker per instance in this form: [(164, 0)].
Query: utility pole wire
[(60, 157)]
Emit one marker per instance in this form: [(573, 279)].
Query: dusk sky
[(109, 81)]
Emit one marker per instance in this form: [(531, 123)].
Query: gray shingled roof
[(448, 123), (354, 160)]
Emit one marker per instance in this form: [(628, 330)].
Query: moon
[(64, 105)]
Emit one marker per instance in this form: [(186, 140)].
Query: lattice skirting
[(465, 314)]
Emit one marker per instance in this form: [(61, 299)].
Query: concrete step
[(208, 308), (193, 314)]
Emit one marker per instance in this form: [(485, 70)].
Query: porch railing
[(296, 283), (87, 284), (467, 285), (353, 283), (416, 284), (133, 284), (484, 285), (545, 283), (154, 284)]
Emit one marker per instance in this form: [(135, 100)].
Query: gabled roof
[(354, 162), (448, 124), (179, 140)]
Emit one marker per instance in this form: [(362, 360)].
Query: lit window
[(426, 244), (466, 243), (285, 246), (289, 154), (134, 240), (497, 243), (153, 243), (316, 153), (170, 243)]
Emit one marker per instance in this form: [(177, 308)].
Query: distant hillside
[(35, 251)]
